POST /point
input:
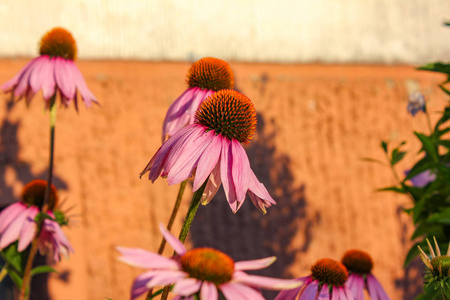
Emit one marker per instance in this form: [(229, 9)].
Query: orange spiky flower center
[(34, 192), (229, 113), (210, 73), (208, 264), (58, 42), (357, 261), (329, 271)]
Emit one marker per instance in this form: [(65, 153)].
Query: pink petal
[(355, 283), (143, 259), (188, 157), (86, 94), (238, 291), (164, 277), (209, 291), (176, 116), (258, 194), (23, 82), (48, 78), (207, 161), (12, 231), (139, 286), (376, 291), (173, 241), (64, 78), (10, 84), (187, 286), (289, 294), (226, 164), (60, 241), (212, 186), (28, 230), (256, 264), (265, 282), (311, 291), (9, 214), (200, 96), (240, 170), (36, 75)]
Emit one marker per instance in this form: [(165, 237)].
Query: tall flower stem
[(174, 214), (195, 203), (34, 245)]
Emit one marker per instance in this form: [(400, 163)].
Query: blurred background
[(329, 79)]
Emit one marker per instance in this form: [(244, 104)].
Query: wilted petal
[(212, 186)]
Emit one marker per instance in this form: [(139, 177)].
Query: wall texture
[(315, 123), (335, 31)]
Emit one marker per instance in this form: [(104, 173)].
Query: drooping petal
[(85, 93), (201, 95), (164, 277), (238, 291), (12, 231), (64, 78), (184, 166), (258, 194), (144, 259), (176, 117), (256, 264), (48, 79), (173, 241), (265, 282), (28, 230), (240, 170), (375, 289), (212, 186), (324, 293), (209, 291), (187, 286), (311, 291), (12, 83), (226, 165), (355, 283), (10, 213), (23, 83), (207, 162), (289, 294)]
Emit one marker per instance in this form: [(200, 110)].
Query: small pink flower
[(327, 281), (206, 76), (202, 270), (211, 149), (54, 71), (17, 222), (360, 264)]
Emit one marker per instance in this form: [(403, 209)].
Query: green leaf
[(440, 133), (15, 278), (15, 258), (445, 143), (444, 89), (397, 156), (442, 217), (419, 168), (384, 146), (392, 189), (428, 146), (42, 269), (436, 67), (412, 253)]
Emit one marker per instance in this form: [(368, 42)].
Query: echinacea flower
[(327, 281), (211, 149), (416, 103), (359, 264), (438, 268), (17, 222), (206, 76), (201, 271), (54, 71)]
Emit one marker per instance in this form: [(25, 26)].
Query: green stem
[(174, 214), (34, 245), (398, 177), (195, 203), (3, 272)]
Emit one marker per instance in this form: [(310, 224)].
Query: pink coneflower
[(211, 149), (17, 222), (206, 76), (327, 281), (54, 71), (360, 264), (201, 271)]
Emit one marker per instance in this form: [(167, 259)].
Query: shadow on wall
[(9, 160), (250, 235)]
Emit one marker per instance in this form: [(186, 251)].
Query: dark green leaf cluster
[(437, 283)]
